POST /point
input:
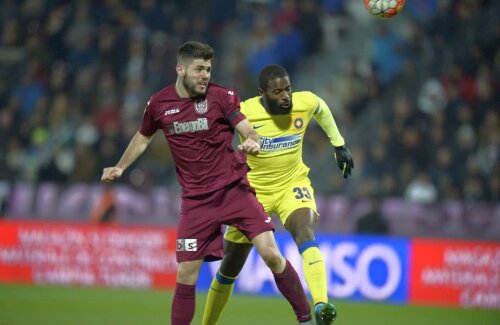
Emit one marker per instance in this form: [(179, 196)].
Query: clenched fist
[(249, 146), (109, 174)]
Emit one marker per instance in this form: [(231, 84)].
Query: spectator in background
[(6, 120), (388, 54), (54, 49), (4, 197), (444, 171), (105, 210), (373, 222), (28, 92), (493, 186), (261, 47), (289, 45), (488, 153), (310, 26), (379, 162), (432, 97), (421, 189)]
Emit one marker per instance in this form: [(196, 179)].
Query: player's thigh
[(266, 245), (235, 255), (301, 223), (242, 210), (187, 272), (199, 235), (267, 199), (299, 195), (233, 235)]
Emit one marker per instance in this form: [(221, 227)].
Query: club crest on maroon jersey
[(201, 106)]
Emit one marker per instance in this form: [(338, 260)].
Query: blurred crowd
[(75, 77), (434, 75)]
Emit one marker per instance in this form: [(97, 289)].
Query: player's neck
[(181, 90)]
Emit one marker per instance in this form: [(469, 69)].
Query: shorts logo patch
[(187, 245), (268, 220)]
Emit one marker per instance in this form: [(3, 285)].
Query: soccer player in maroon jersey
[(198, 119)]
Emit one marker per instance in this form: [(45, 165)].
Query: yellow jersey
[(280, 158)]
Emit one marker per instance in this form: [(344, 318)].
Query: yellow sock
[(314, 271), (220, 291)]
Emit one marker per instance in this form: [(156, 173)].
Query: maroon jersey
[(200, 134)]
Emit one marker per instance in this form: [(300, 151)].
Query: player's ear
[(261, 92), (180, 70)]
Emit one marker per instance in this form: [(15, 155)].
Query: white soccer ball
[(384, 8)]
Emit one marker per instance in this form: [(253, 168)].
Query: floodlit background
[(413, 234)]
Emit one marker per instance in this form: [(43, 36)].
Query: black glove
[(344, 160)]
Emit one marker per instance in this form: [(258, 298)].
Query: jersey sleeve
[(312, 103), (148, 125), (232, 108), (324, 117)]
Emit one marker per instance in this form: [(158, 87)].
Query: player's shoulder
[(306, 96), (306, 100), (221, 91), (251, 105), (166, 93), (251, 101)]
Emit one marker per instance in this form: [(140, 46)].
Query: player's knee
[(231, 270), (235, 255), (273, 258), (301, 225), (303, 234), (187, 273), (188, 278)]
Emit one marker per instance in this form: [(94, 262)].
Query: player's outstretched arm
[(343, 156), (251, 144), (135, 148), (325, 119)]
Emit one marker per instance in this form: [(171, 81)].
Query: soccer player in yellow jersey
[(279, 177)]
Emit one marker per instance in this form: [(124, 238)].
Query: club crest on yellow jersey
[(298, 122)]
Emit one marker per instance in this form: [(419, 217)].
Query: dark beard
[(274, 109), (192, 90)]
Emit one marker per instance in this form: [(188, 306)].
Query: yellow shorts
[(299, 194)]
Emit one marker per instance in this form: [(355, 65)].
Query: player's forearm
[(253, 135), (247, 131), (325, 119), (135, 148)]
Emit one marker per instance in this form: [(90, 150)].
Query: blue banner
[(358, 268)]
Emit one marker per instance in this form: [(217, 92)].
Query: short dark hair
[(271, 72), (194, 50)]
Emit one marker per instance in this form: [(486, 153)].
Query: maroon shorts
[(200, 229)]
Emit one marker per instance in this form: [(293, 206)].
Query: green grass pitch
[(51, 305)]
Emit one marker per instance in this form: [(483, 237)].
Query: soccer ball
[(384, 8)]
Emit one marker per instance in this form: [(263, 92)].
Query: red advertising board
[(455, 273), (438, 272), (89, 255)]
